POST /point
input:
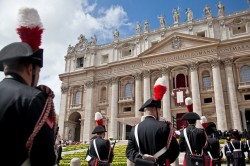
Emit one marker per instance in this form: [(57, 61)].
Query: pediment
[(179, 42)]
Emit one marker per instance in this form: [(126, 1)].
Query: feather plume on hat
[(189, 104), (99, 119), (160, 88), (30, 28), (100, 127), (203, 122)]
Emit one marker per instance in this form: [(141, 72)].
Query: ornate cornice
[(146, 73), (64, 89), (215, 62), (194, 66), (89, 84)]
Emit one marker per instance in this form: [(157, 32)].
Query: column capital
[(64, 88), (114, 80), (165, 70), (193, 66), (146, 73), (137, 76), (215, 62), (228, 62), (89, 84)]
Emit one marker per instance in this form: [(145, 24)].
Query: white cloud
[(63, 21)]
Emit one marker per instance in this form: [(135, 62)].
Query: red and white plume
[(160, 88), (99, 119), (189, 104), (30, 28), (203, 122)]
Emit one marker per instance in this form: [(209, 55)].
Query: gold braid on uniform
[(47, 113)]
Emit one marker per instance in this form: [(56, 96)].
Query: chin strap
[(33, 75)]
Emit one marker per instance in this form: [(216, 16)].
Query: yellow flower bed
[(119, 157)]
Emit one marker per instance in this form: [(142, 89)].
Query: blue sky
[(140, 10), (65, 20)]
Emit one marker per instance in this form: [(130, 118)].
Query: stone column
[(243, 117), (123, 131), (138, 95), (66, 136), (81, 130), (88, 112), (114, 108), (166, 98), (234, 108), (63, 109), (146, 87), (195, 88), (218, 95)]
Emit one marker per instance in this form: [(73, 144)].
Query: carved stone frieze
[(215, 62), (64, 89), (146, 73), (89, 84), (194, 66)]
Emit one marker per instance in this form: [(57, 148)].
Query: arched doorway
[(75, 126)]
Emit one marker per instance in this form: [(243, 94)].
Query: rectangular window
[(239, 29), (208, 100), (247, 97), (201, 34), (126, 52), (126, 109), (79, 62), (105, 58), (154, 43)]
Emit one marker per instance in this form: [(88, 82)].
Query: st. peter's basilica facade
[(207, 59)]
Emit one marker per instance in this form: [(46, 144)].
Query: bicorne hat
[(210, 128), (190, 116), (30, 31), (160, 89)]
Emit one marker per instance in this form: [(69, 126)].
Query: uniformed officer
[(153, 135), (100, 148), (237, 147), (227, 151), (213, 148), (27, 117), (196, 136), (103, 151)]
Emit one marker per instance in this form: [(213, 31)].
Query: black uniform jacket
[(152, 135), (213, 147), (20, 108), (103, 147), (197, 139)]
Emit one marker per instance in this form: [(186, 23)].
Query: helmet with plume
[(160, 89), (189, 104), (30, 31), (203, 122), (100, 127)]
